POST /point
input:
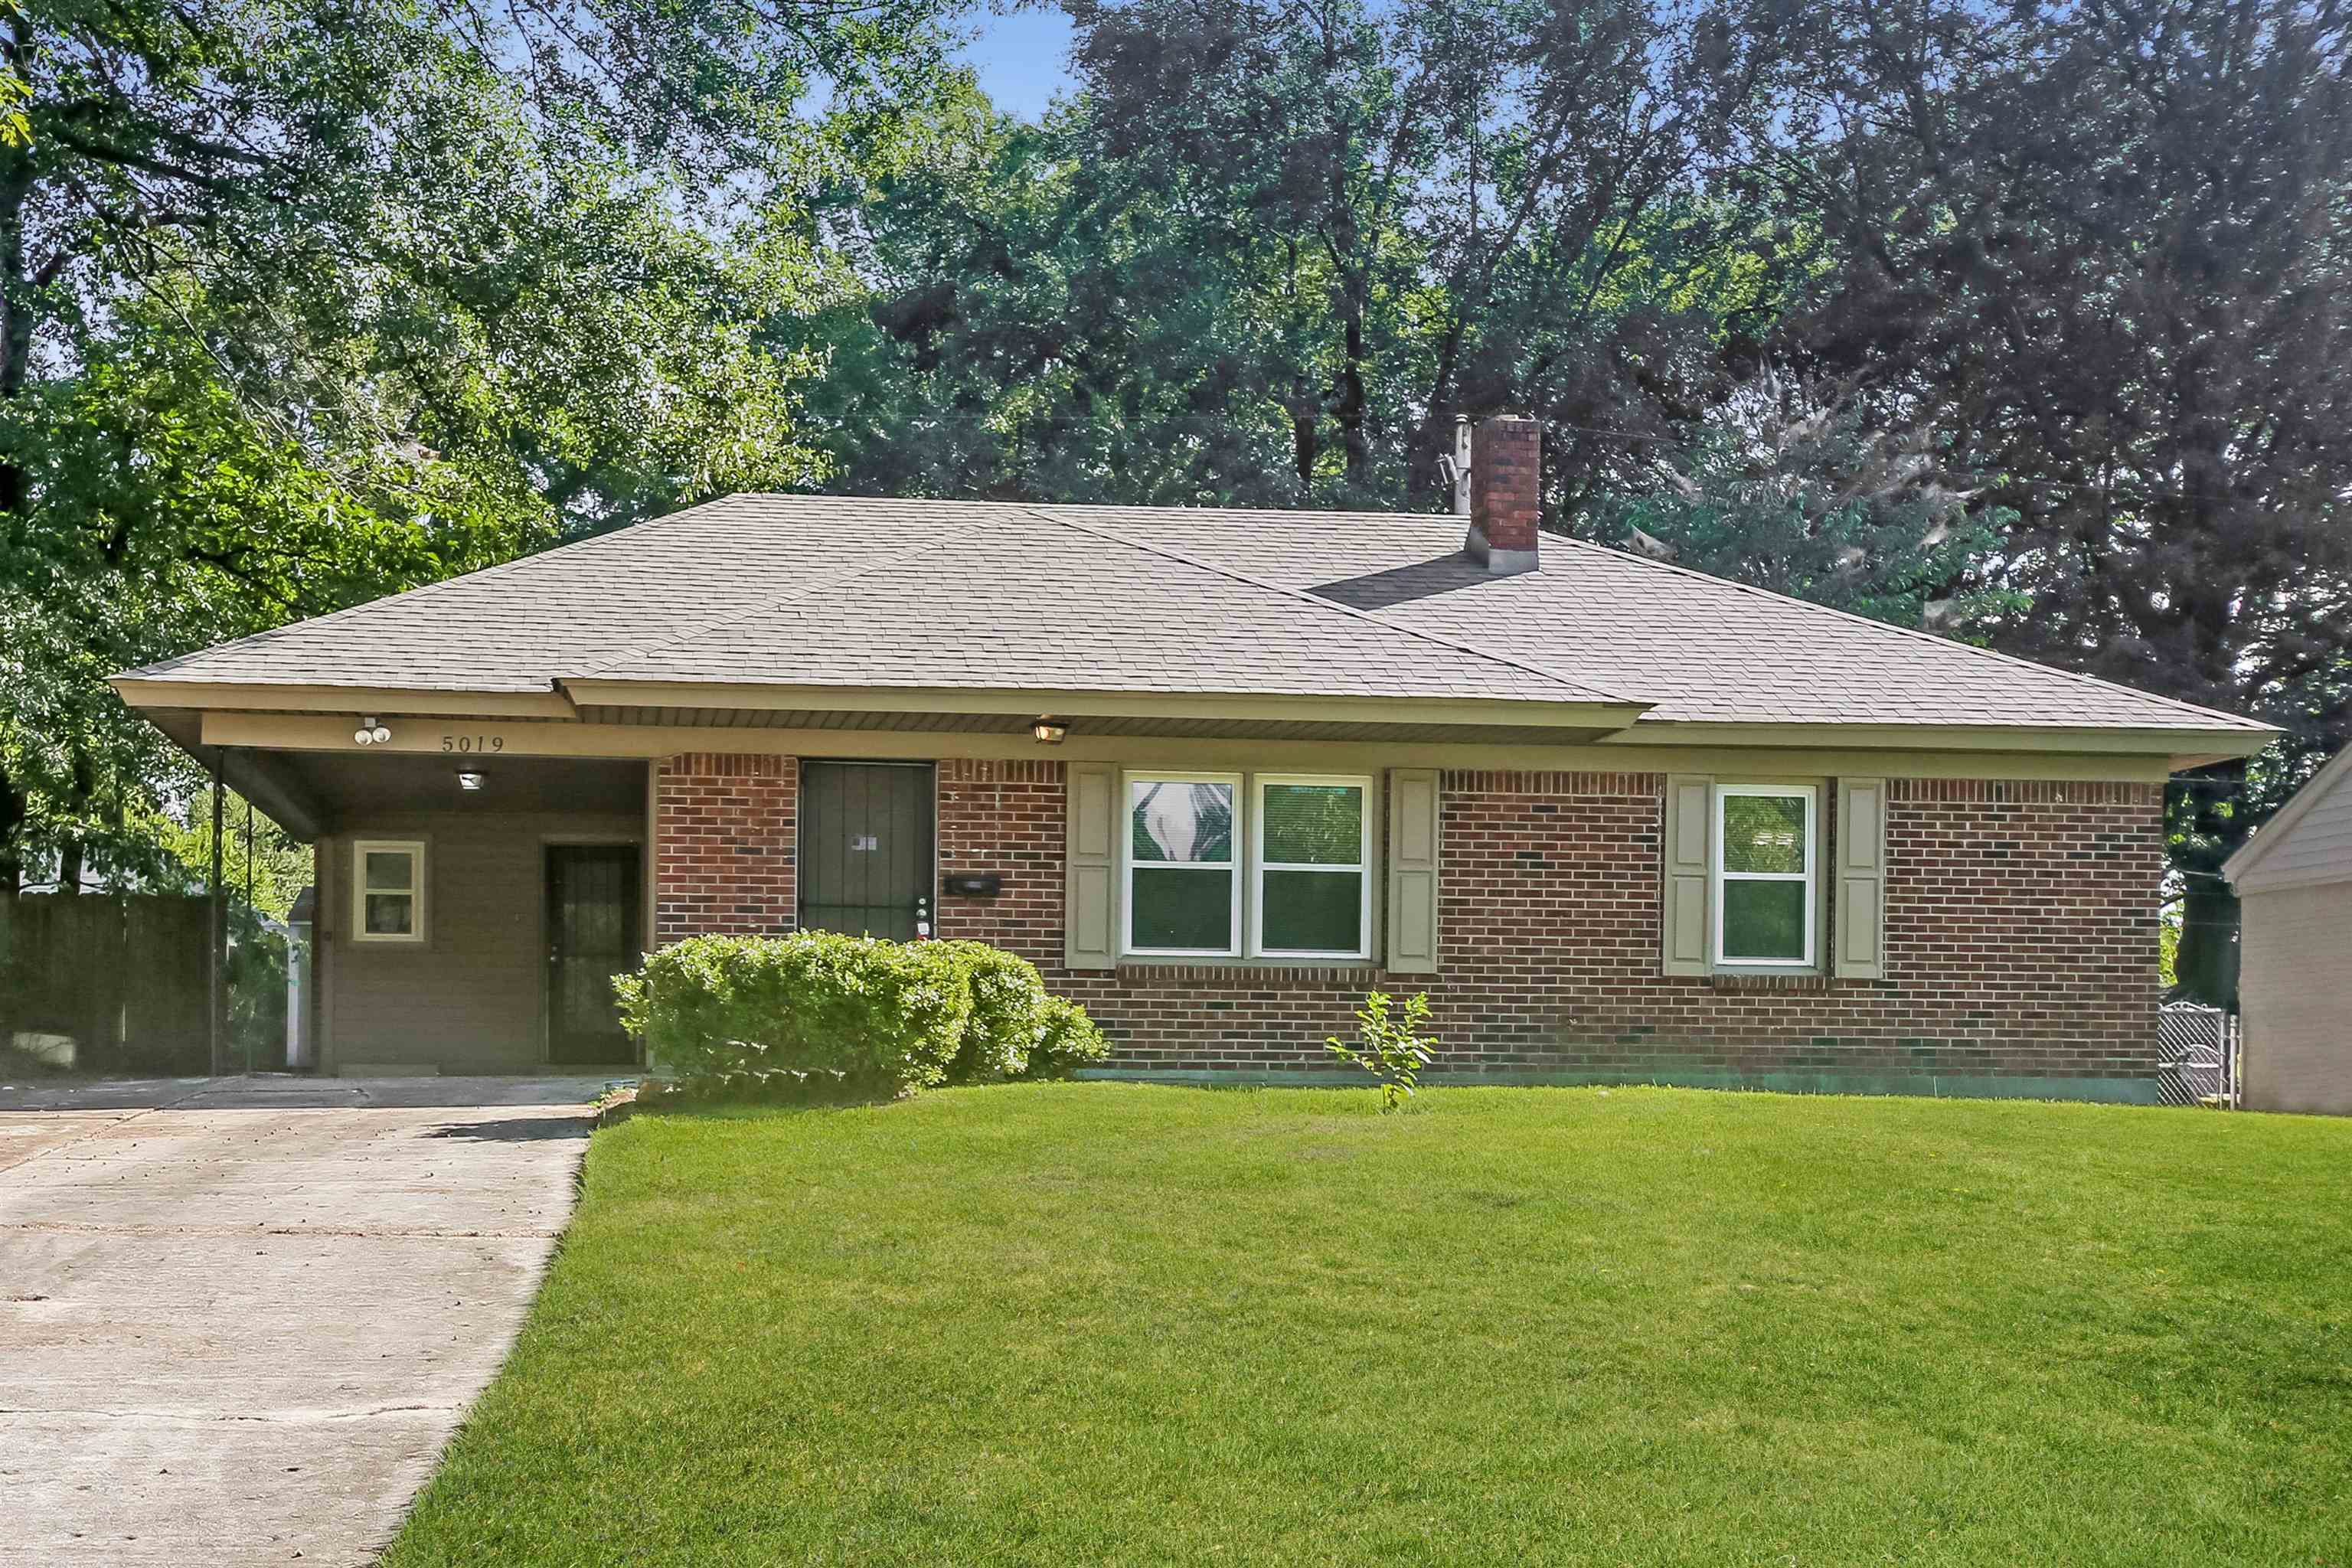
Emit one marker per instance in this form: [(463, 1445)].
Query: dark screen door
[(592, 935), (866, 848)]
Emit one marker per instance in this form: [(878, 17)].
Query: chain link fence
[(2198, 1058)]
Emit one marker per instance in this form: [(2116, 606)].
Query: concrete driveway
[(239, 1317)]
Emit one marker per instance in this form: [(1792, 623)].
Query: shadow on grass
[(800, 1098)]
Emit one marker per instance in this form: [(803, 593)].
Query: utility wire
[(1144, 424)]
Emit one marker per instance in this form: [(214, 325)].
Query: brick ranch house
[(1218, 773)]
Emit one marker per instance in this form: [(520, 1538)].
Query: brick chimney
[(1505, 480)]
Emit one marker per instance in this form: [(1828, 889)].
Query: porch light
[(471, 778), (370, 733), (1048, 730)]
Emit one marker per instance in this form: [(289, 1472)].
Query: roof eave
[(767, 697), (2183, 747), (149, 694), (1583, 720)]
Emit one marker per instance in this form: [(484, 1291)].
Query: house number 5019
[(473, 742)]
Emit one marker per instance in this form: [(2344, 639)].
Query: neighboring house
[(1219, 773), (2293, 881)]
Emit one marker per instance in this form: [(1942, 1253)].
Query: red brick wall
[(723, 845), (1004, 818), (2020, 931), (2021, 937)]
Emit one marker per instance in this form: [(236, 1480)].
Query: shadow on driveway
[(290, 1092), (515, 1129)]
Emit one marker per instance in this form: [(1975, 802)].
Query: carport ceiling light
[(471, 778)]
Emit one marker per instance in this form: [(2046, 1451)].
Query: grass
[(1109, 1323)]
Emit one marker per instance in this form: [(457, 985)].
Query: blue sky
[(1020, 58)]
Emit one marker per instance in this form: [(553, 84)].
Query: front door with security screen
[(866, 848), (592, 935)]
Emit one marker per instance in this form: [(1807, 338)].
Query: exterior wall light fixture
[(1048, 730), (370, 733)]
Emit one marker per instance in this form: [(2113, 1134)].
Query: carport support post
[(216, 964), (248, 914)]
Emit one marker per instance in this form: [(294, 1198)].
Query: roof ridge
[(1391, 516), (812, 586), (1911, 632), (1047, 513)]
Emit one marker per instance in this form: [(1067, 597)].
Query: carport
[(473, 902)]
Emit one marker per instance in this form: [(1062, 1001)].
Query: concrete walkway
[(239, 1317)]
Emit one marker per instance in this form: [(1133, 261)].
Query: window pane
[(390, 914), (1763, 833), (1313, 911), (1764, 920), (1181, 909), (389, 869), (1181, 822), (1314, 824)]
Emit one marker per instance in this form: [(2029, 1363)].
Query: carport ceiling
[(353, 785)]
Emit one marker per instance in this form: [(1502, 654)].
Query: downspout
[(1462, 458)]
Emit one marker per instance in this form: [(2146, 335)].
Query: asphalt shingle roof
[(1700, 648), (801, 590), (1020, 599)]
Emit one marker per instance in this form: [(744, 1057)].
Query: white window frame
[(415, 849), (1810, 875), (1238, 866), (1260, 866)]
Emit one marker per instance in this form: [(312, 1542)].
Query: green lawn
[(1103, 1323)]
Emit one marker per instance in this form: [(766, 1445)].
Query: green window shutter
[(1683, 919), (1090, 869), (1859, 919), (1412, 870)]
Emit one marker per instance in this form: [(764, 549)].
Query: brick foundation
[(2020, 935)]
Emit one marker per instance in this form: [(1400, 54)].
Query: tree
[(1268, 252), (1799, 490), (301, 306), (2105, 247)]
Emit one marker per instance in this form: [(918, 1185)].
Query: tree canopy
[(305, 304)]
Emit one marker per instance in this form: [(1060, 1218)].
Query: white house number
[(469, 743)]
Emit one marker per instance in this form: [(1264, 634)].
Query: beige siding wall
[(2296, 995), (2315, 850), (471, 997)]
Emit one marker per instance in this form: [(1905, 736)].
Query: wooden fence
[(123, 974)]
